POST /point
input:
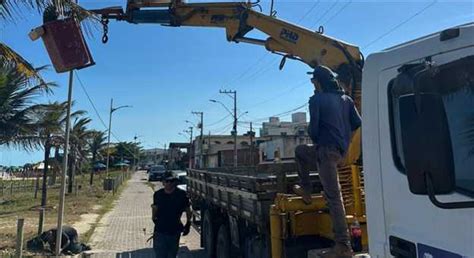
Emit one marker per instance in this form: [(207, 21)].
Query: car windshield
[(158, 168)]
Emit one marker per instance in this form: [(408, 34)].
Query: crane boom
[(238, 18)]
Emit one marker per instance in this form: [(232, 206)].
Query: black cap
[(324, 74), (169, 176)]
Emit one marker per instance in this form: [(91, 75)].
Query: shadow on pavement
[(145, 253), (183, 252)]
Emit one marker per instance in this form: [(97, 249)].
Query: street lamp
[(191, 123), (112, 110), (222, 104), (190, 133), (233, 95)]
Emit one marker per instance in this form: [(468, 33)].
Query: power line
[(97, 113), (90, 100), (281, 94), (248, 68), (259, 60), (219, 121), (225, 128), (325, 13), (283, 113), (400, 24), (309, 11), (337, 13)]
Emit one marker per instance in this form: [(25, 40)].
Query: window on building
[(230, 142), (244, 143), (217, 142)]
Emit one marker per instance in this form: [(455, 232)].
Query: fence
[(10, 188), (113, 183), (20, 186)]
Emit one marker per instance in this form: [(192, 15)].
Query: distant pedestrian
[(169, 203), (333, 120)]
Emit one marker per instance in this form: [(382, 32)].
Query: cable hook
[(321, 29)]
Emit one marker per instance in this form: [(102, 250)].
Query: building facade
[(282, 137)]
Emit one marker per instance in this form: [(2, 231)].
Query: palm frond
[(9, 9), (22, 65)]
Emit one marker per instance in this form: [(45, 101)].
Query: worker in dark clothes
[(169, 203), (333, 121), (69, 242)]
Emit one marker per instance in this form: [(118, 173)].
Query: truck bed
[(244, 193)]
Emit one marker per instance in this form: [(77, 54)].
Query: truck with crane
[(408, 179)]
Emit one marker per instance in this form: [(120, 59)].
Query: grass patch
[(24, 205)]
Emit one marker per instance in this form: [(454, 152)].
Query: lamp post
[(112, 110), (200, 126), (190, 132), (233, 95)]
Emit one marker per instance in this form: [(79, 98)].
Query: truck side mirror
[(427, 148), (426, 143)]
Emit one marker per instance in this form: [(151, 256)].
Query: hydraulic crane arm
[(284, 38)]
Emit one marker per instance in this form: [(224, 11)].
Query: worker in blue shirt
[(333, 120)]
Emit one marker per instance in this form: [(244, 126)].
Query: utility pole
[(164, 153), (234, 129), (190, 145), (65, 161), (251, 144), (108, 138), (201, 125)]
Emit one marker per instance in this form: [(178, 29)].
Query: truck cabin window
[(454, 83)]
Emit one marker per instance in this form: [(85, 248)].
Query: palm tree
[(17, 91), (127, 150), (96, 144), (50, 123), (78, 147)]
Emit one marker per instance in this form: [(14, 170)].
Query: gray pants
[(326, 159), (166, 246)]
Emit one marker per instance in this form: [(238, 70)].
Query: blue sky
[(165, 73)]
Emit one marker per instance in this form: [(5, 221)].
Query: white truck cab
[(418, 147)]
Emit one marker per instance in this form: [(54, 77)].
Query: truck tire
[(223, 242), (208, 235), (255, 246)]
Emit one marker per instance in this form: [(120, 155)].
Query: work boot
[(340, 250), (298, 190)]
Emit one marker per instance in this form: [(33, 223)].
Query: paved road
[(123, 231)]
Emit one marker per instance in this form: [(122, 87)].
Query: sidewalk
[(124, 230)]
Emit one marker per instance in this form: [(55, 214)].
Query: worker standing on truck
[(333, 119), (169, 203)]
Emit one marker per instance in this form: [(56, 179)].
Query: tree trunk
[(57, 167), (70, 172), (44, 190), (91, 181)]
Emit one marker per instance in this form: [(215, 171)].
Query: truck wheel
[(208, 235), (223, 242), (255, 247)]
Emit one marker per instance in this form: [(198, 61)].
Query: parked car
[(156, 173), (182, 177)]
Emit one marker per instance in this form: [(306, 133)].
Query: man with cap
[(333, 120), (169, 203)]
